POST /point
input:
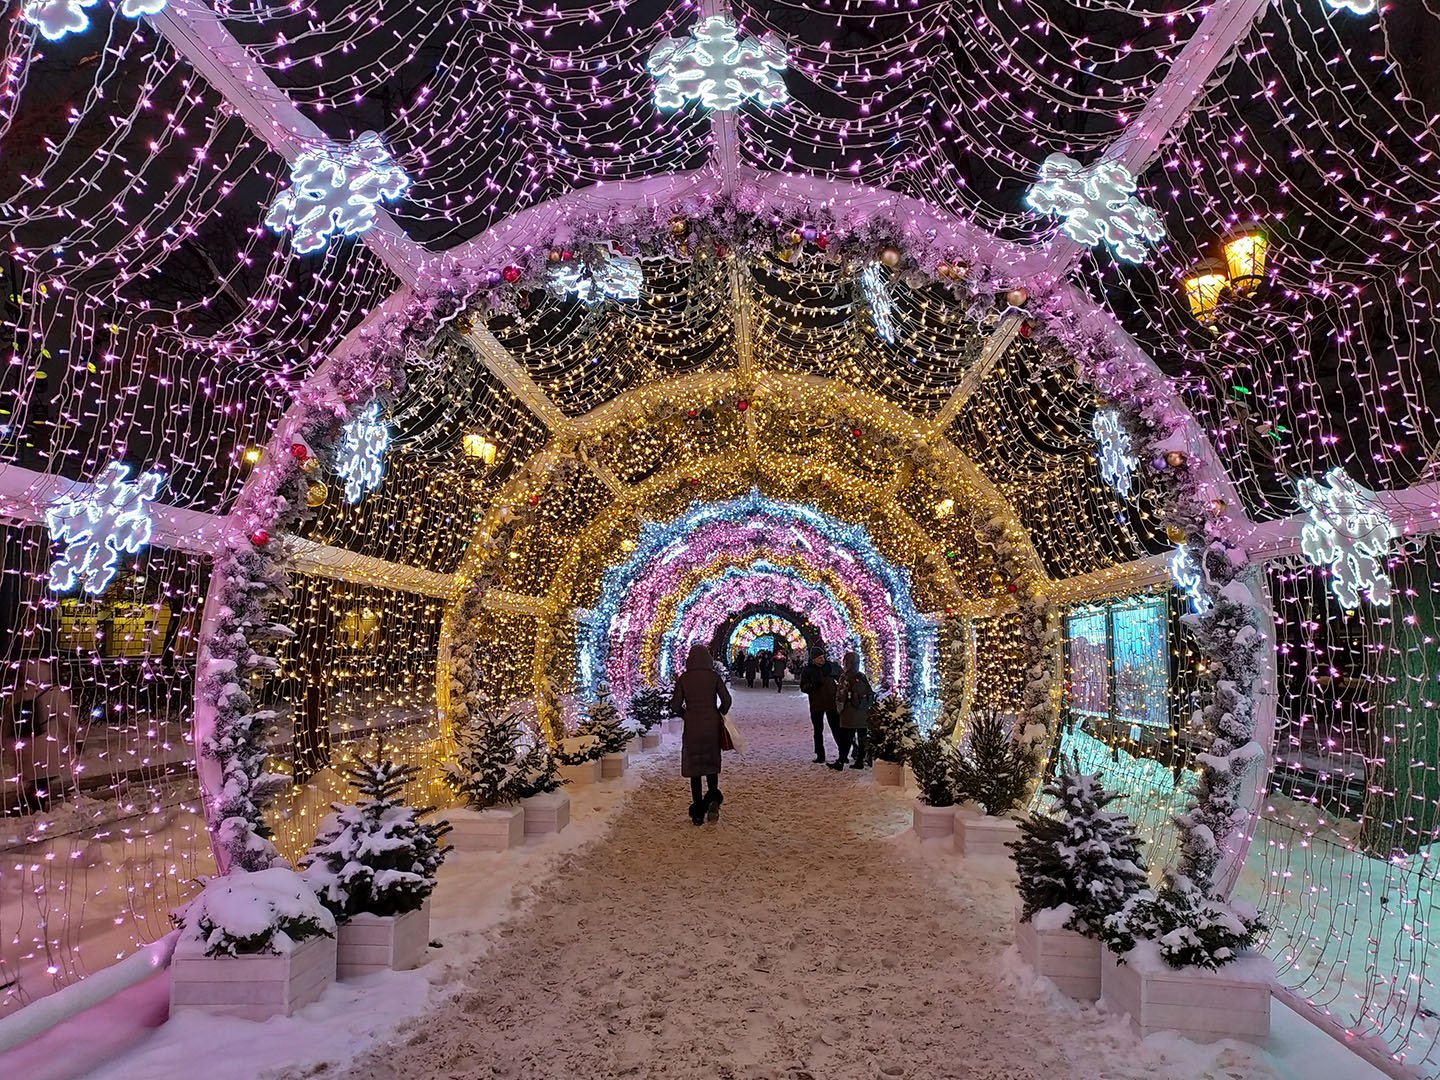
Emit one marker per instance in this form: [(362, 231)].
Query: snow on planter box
[(889, 773), (498, 829), (982, 836), (1231, 1003), (1068, 959), (612, 766), (370, 943), (932, 822), (288, 942), (547, 813)]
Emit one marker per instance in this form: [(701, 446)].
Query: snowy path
[(806, 935)]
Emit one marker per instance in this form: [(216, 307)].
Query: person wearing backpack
[(854, 696)]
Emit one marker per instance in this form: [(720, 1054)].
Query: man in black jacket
[(817, 682)]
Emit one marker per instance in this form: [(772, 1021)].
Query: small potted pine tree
[(994, 772), (932, 762), (373, 866), (893, 735), (253, 944), (648, 707), (547, 808), (1076, 866), (485, 773), (602, 721)]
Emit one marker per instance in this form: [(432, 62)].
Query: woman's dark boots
[(712, 805), (697, 813)]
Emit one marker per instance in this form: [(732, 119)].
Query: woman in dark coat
[(854, 697), (752, 668), (702, 698)]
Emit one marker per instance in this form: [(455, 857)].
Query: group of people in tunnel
[(840, 696), (768, 664)]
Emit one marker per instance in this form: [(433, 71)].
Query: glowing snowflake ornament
[(1186, 576), (336, 192), (361, 461), (114, 517), (1355, 7), (718, 68), (1098, 203), (57, 18), (1349, 534), (882, 304), (614, 277), (1112, 441)]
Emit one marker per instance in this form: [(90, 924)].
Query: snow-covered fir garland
[(1039, 635), (956, 687)]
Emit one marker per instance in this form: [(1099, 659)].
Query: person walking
[(39, 739), (854, 697), (817, 682), (703, 699), (767, 665), (779, 670), (752, 668)]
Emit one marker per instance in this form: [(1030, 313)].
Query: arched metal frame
[(1010, 262)]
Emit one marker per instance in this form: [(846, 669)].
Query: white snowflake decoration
[(114, 517), (718, 68), (1098, 203), (361, 461), (336, 191), (57, 18), (1186, 576), (614, 277), (1355, 7), (1112, 441), (1349, 534), (882, 304)]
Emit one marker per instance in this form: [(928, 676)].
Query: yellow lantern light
[(480, 448), (1204, 285), (1245, 252), (252, 455), (945, 508)]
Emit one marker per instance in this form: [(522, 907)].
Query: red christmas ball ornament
[(721, 250), (299, 451), (567, 254), (534, 500), (511, 274), (693, 413), (854, 432), (1010, 587), (742, 404), (694, 481), (822, 241), (1026, 329), (260, 538)]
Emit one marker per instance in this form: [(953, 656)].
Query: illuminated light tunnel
[(806, 550), (754, 631)]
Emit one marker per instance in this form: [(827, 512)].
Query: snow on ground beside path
[(477, 893), (807, 934)]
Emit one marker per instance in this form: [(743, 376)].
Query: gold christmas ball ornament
[(1175, 534), (310, 465), (679, 226), (316, 494), (890, 256), (1175, 458), (554, 256), (1018, 296)]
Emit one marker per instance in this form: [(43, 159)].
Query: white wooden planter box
[(931, 822), (978, 836), (612, 766), (547, 813), (1232, 1003), (889, 773), (674, 726), (650, 740), (250, 987), (497, 829), (370, 943), (579, 775), (1068, 959)]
